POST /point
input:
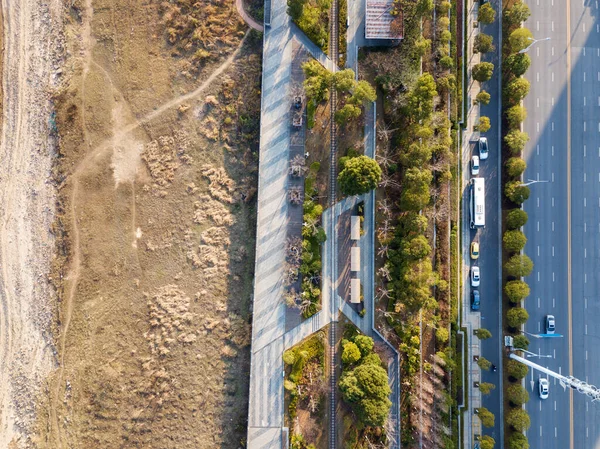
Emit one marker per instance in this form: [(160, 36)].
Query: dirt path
[(31, 39)]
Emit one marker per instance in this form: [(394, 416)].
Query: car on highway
[(475, 300), (475, 276), (475, 165), (544, 388), (550, 324), (474, 250), (483, 148)]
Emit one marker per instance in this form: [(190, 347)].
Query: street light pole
[(533, 354), (535, 41)]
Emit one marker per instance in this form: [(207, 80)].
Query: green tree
[(516, 90), (444, 7), (515, 115), (518, 441), (517, 63), (516, 291), (486, 14), (365, 344), (518, 13), (442, 335), (484, 124), (517, 395), (515, 166), (483, 97), (519, 265), (359, 175), (518, 419), (484, 363), (363, 93), (343, 80), (482, 334), (516, 316), (371, 359), (415, 248), (520, 39), (351, 391), (515, 140), (446, 62), (374, 412), (415, 155), (420, 99), (484, 43), (521, 342), (516, 218), (415, 195), (516, 192), (483, 71), (347, 113), (487, 442), (317, 82), (486, 388), (311, 22), (514, 241), (350, 353), (516, 370), (486, 417)]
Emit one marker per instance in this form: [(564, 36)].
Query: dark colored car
[(475, 300)]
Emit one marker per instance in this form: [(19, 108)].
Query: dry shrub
[(207, 208), (164, 156), (221, 186)]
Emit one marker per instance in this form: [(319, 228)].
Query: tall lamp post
[(534, 41)]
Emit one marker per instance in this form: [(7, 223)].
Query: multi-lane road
[(564, 216)]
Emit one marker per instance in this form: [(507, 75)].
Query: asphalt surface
[(489, 237), (564, 149)]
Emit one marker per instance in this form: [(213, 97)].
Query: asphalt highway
[(563, 230)]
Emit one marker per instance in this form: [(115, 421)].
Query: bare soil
[(155, 226)]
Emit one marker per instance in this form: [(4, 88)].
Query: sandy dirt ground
[(127, 239), (32, 51)]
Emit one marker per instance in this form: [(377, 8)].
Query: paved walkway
[(247, 17)]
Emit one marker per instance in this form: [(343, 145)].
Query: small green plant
[(516, 291), (486, 388), (516, 370), (482, 334), (520, 39), (515, 166), (483, 97), (483, 71), (486, 14), (484, 363), (518, 419), (487, 418), (519, 265), (484, 124), (483, 43), (516, 316), (516, 218), (514, 241), (515, 140)]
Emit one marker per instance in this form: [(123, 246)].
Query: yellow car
[(474, 250)]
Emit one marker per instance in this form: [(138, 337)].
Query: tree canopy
[(516, 290), (483, 71), (516, 218), (516, 316), (486, 14), (360, 174), (515, 140), (519, 265), (514, 241), (520, 39)]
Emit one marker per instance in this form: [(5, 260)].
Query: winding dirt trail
[(31, 38)]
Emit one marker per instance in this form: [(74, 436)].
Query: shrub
[(447, 62), (515, 166), (516, 90), (486, 417), (519, 265), (515, 140), (516, 192), (518, 419), (483, 97), (366, 388), (444, 7), (482, 334), (516, 370), (347, 113), (442, 335), (517, 63), (484, 124), (359, 175), (486, 388), (517, 395), (516, 291), (350, 353), (445, 36), (518, 13), (520, 342), (363, 93), (517, 316), (289, 357), (515, 115), (483, 71), (520, 39), (518, 441), (484, 363), (486, 14), (443, 23), (487, 442), (484, 43), (516, 218), (514, 241)]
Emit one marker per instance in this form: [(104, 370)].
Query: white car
[(475, 165), (483, 148), (475, 277), (550, 324), (544, 388)]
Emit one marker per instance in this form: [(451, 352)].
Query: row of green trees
[(482, 72), (518, 265)]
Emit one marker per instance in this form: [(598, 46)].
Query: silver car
[(544, 388), (483, 148), (550, 324), (475, 276), (475, 165)]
